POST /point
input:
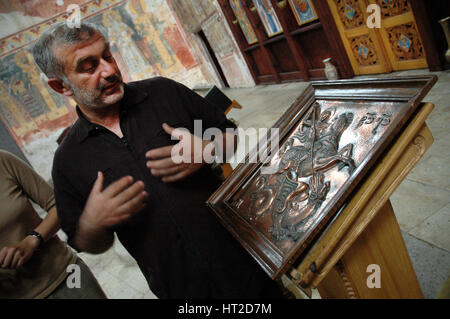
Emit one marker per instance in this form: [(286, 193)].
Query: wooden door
[(400, 35), (363, 45), (397, 45)]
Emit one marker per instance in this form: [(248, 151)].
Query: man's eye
[(90, 67)]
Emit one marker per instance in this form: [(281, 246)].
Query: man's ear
[(59, 86)]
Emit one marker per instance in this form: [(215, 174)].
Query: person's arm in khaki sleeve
[(41, 193)]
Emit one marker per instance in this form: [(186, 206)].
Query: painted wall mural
[(27, 104), (207, 16), (192, 13), (148, 38), (144, 42)]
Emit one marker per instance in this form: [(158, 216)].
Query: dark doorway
[(212, 55)]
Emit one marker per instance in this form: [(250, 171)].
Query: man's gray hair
[(60, 34)]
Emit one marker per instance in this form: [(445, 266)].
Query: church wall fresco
[(207, 16), (147, 39)]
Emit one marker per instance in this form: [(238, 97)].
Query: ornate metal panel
[(330, 137)]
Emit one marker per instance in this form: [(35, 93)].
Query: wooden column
[(258, 28), (235, 29), (334, 39), (423, 24), (294, 46)]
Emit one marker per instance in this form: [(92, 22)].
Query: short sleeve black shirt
[(177, 242)]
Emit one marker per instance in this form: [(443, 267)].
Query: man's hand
[(110, 207), (176, 162), (14, 256)]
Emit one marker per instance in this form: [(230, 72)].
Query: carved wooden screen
[(363, 45), (396, 45), (400, 35), (330, 137)]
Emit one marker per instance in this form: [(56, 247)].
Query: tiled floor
[(421, 202)]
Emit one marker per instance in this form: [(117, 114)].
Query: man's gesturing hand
[(176, 162), (110, 207)]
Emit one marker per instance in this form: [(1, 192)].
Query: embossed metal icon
[(330, 137)]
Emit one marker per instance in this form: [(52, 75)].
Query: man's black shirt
[(180, 246)]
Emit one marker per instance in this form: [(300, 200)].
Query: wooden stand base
[(380, 244), (366, 233)]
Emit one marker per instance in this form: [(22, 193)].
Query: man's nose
[(108, 69)]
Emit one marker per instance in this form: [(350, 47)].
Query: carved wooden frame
[(277, 248)]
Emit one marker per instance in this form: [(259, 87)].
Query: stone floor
[(421, 202)]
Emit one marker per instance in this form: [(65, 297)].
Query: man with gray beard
[(114, 172)]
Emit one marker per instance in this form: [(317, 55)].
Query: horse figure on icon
[(312, 150)]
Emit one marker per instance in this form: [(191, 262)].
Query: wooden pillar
[(428, 40), (334, 39), (250, 11), (294, 46), (235, 29)]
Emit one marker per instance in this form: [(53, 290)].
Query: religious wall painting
[(27, 103), (268, 17), (191, 13), (29, 108), (161, 38), (151, 28), (243, 21), (217, 36), (303, 10), (121, 36), (329, 139), (30, 34), (18, 122)]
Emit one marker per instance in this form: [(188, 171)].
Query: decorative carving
[(405, 42), (350, 13), (391, 8), (372, 118), (349, 286), (291, 199), (278, 205), (364, 50)]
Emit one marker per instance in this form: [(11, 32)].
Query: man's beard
[(94, 98)]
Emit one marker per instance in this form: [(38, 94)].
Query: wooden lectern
[(367, 233), (317, 209)]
